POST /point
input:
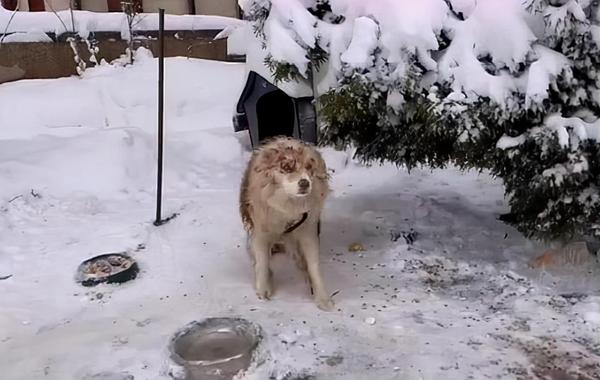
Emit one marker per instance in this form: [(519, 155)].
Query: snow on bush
[(512, 86)]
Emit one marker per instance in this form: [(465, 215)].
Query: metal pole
[(161, 88), (192, 7)]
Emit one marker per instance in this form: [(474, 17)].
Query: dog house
[(267, 111)]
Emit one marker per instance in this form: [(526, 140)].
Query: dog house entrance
[(267, 111), (276, 115)]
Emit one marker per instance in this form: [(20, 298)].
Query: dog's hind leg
[(309, 248), (261, 250)]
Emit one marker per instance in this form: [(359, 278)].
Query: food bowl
[(108, 268), (216, 348)]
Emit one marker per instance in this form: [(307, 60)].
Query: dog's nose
[(303, 184)]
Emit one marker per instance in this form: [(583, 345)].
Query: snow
[(336, 38), (507, 142), (77, 167), (406, 25), (581, 130), (496, 52), (592, 317), (465, 7), (557, 173), (27, 37), (364, 41), (282, 46), (542, 73), (293, 13), (84, 22), (236, 38), (245, 42), (555, 15), (570, 131), (402, 27), (498, 29), (290, 30), (595, 29), (395, 100)]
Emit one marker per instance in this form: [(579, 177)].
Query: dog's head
[(293, 165)]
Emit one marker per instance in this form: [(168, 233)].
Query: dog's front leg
[(261, 250), (309, 247)]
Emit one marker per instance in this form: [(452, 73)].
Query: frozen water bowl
[(216, 348)]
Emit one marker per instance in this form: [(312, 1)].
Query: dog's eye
[(287, 167), (308, 166)]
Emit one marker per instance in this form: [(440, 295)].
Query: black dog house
[(266, 111)]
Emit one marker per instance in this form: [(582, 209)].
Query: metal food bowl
[(109, 268), (216, 348)]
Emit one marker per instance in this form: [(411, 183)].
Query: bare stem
[(56, 14), (8, 23)]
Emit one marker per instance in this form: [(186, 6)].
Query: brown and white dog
[(281, 198)]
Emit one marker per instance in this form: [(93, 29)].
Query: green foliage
[(353, 117), (553, 190), (284, 72)]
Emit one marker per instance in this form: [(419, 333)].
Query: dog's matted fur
[(281, 198)]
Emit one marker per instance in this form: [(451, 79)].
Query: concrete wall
[(55, 59), (23, 5), (58, 5), (227, 8), (94, 5), (150, 6), (203, 7), (177, 7)]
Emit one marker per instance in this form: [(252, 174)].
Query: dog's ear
[(265, 160), (266, 165), (320, 167)]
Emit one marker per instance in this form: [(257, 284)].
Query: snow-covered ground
[(77, 178)]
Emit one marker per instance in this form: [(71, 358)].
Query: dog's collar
[(291, 227)]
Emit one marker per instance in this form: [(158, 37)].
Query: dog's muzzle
[(303, 186)]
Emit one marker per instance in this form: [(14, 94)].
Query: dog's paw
[(325, 303), (264, 291)]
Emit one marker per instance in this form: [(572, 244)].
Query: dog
[(282, 194)]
